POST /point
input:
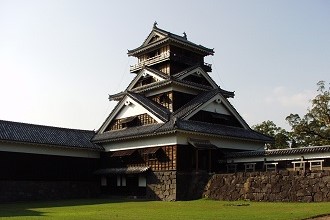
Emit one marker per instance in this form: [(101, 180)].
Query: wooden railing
[(165, 56), (150, 61)]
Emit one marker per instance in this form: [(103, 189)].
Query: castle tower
[(172, 124)]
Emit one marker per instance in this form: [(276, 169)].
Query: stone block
[(318, 197)]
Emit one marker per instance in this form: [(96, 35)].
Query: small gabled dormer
[(169, 53), (132, 121)]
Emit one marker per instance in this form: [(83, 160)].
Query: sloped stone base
[(161, 186), (281, 186)]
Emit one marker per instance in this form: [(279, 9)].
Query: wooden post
[(196, 160), (210, 160)]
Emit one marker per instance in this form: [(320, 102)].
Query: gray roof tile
[(221, 130), (280, 152), (170, 37), (195, 103), (47, 135), (160, 111), (175, 124)]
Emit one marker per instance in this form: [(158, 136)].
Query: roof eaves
[(96, 148), (194, 104), (151, 86), (193, 85), (137, 136), (170, 37), (17, 132), (221, 130), (157, 72), (158, 110)]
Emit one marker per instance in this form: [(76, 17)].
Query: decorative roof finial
[(184, 35), (155, 24)]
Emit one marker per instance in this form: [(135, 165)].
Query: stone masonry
[(284, 186), (161, 186)]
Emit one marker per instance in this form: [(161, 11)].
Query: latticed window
[(138, 120), (164, 99)]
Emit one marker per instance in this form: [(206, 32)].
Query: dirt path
[(321, 218)]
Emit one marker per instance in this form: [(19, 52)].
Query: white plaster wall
[(181, 138), (152, 74), (216, 108), (141, 143), (46, 150), (133, 109), (309, 156), (223, 142), (171, 88)]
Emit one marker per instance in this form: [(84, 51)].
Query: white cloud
[(283, 97)]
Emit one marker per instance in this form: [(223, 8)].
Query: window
[(142, 181), (121, 180), (152, 156), (104, 181)]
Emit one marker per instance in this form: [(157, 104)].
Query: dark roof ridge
[(195, 103), (170, 37), (157, 72), (46, 126), (221, 130), (177, 75), (18, 132), (159, 110), (168, 33), (282, 152)]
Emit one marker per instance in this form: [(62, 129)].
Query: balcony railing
[(166, 56), (150, 61)]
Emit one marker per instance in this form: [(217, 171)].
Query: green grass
[(137, 209)]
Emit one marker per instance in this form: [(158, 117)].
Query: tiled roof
[(195, 103), (168, 38), (167, 81), (46, 135), (185, 71), (176, 124), (163, 83), (280, 152), (221, 130), (200, 100), (117, 96), (160, 111), (157, 72), (122, 170), (127, 133), (201, 144), (175, 121)]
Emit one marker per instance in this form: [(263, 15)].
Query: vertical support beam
[(210, 160), (196, 160)]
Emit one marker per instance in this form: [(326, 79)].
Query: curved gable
[(199, 76), (145, 77)]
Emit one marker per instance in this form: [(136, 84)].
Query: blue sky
[(59, 59)]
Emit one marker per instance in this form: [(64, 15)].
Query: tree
[(313, 129), (281, 136)]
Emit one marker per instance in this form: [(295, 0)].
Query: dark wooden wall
[(164, 159), (23, 166)]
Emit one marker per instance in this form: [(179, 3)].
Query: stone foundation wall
[(284, 186), (11, 191), (191, 185), (161, 186)]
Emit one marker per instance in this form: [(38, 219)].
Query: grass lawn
[(138, 209)]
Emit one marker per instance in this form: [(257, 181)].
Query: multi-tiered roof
[(173, 92)]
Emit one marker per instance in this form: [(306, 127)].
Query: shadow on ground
[(25, 208)]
